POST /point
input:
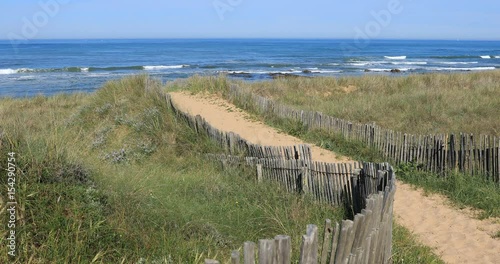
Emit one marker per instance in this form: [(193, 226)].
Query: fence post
[(335, 242), (357, 191), (309, 248), (326, 241), (283, 249), (266, 251), (305, 180), (235, 257), (259, 173), (249, 252)]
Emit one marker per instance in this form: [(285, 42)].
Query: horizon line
[(248, 38)]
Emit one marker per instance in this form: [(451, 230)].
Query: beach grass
[(114, 177), (415, 104), (462, 190), (406, 248)]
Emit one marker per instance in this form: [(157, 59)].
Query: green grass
[(330, 141), (449, 102), (415, 104), (114, 177), (406, 248), (463, 190)]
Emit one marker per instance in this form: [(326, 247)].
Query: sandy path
[(225, 116), (454, 234)]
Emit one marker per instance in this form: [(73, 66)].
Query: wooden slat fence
[(335, 183), (367, 189), (440, 153), (365, 239), (235, 144)]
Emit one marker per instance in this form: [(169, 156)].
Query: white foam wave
[(265, 72), (7, 71), (365, 63), (389, 70), (244, 72), (26, 78), (485, 57), (84, 69), (465, 69), (409, 63), (379, 70), (395, 57), (24, 70), (164, 67), (457, 62), (360, 63), (497, 57), (327, 71), (99, 74)]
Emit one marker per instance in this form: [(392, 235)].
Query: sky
[(354, 19)]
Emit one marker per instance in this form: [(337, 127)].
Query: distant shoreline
[(55, 66)]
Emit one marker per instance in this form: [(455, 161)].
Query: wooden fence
[(338, 184), (235, 144), (366, 239), (366, 189), (441, 153)]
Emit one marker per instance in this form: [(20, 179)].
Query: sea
[(49, 67)]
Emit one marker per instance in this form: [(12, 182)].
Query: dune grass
[(114, 177), (406, 248), (463, 190), (415, 104)]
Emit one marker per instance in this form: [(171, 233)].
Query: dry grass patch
[(424, 104)]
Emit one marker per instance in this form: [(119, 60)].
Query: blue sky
[(401, 19)]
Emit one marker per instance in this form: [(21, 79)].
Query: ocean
[(64, 66)]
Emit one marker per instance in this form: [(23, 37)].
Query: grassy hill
[(113, 177)]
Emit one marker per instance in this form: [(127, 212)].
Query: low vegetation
[(307, 93), (463, 190), (416, 104), (114, 177), (406, 249)]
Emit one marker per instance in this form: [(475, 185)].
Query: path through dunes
[(455, 235), (226, 117)]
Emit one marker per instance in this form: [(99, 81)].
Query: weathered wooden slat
[(266, 251), (309, 247), (249, 252), (326, 241), (343, 240), (283, 246), (235, 257)]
